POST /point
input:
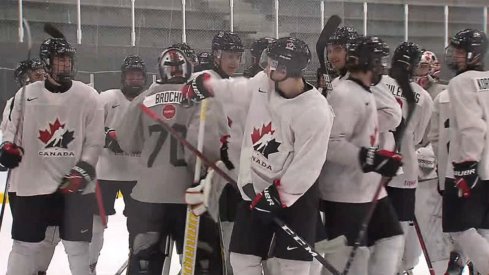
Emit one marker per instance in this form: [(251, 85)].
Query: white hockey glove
[(205, 196)]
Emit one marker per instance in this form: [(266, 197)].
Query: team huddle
[(336, 162)]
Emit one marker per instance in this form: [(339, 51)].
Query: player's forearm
[(90, 154)]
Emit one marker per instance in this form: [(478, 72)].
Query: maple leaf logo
[(56, 135), (263, 141)]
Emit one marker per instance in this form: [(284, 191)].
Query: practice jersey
[(414, 132), (388, 111), (236, 117), (439, 136), (355, 126), (469, 123), (57, 131), (434, 87), (116, 166), (3, 127), (284, 139), (165, 169)]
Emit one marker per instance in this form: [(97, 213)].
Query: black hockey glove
[(267, 203), (383, 162), (466, 177), (111, 141), (78, 178), (195, 90), (10, 154)]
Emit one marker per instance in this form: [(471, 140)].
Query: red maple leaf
[(46, 135), (265, 129)]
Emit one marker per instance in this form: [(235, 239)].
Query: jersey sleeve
[(468, 114), (6, 114), (311, 133), (425, 116), (341, 150), (104, 99), (14, 121), (434, 130), (234, 91), (388, 110), (130, 134), (216, 129), (94, 130)]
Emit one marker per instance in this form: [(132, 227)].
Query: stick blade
[(53, 31), (329, 28)]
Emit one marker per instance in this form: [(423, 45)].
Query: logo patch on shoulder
[(482, 84)]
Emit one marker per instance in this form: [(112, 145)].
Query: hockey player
[(277, 149), (402, 188), (354, 167), (53, 137), (256, 49), (29, 71), (158, 208), (337, 49), (424, 74), (189, 52), (465, 202), (117, 170)]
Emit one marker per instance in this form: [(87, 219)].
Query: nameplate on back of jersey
[(165, 97), (482, 84)]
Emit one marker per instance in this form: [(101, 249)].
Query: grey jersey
[(166, 170)]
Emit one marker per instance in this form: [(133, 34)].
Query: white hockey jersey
[(165, 169), (355, 126), (57, 131), (3, 127), (116, 166), (284, 139), (469, 119), (439, 136), (414, 131), (389, 112)]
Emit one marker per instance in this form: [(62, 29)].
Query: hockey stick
[(209, 163), (100, 204), (402, 78), (122, 268), (192, 222), (21, 118), (423, 246), (329, 28), (168, 255)]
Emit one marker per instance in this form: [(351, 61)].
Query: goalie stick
[(402, 78), (150, 113), (329, 28), (192, 221), (21, 118)]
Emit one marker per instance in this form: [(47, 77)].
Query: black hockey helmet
[(57, 47), (290, 56), (344, 36), (174, 66), (258, 46), (407, 56), (365, 54), (475, 44), (204, 58), (20, 72), (35, 64), (133, 63), (189, 51), (227, 41)]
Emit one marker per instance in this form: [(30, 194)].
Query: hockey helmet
[(204, 58), (57, 47), (133, 87), (227, 41), (288, 56), (174, 66), (344, 36), (189, 51), (407, 56), (20, 73), (475, 44), (365, 54)]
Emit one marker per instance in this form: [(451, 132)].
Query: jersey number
[(174, 160)]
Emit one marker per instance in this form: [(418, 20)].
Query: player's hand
[(111, 141), (195, 90), (10, 154), (383, 162), (78, 178), (466, 177), (267, 203)]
